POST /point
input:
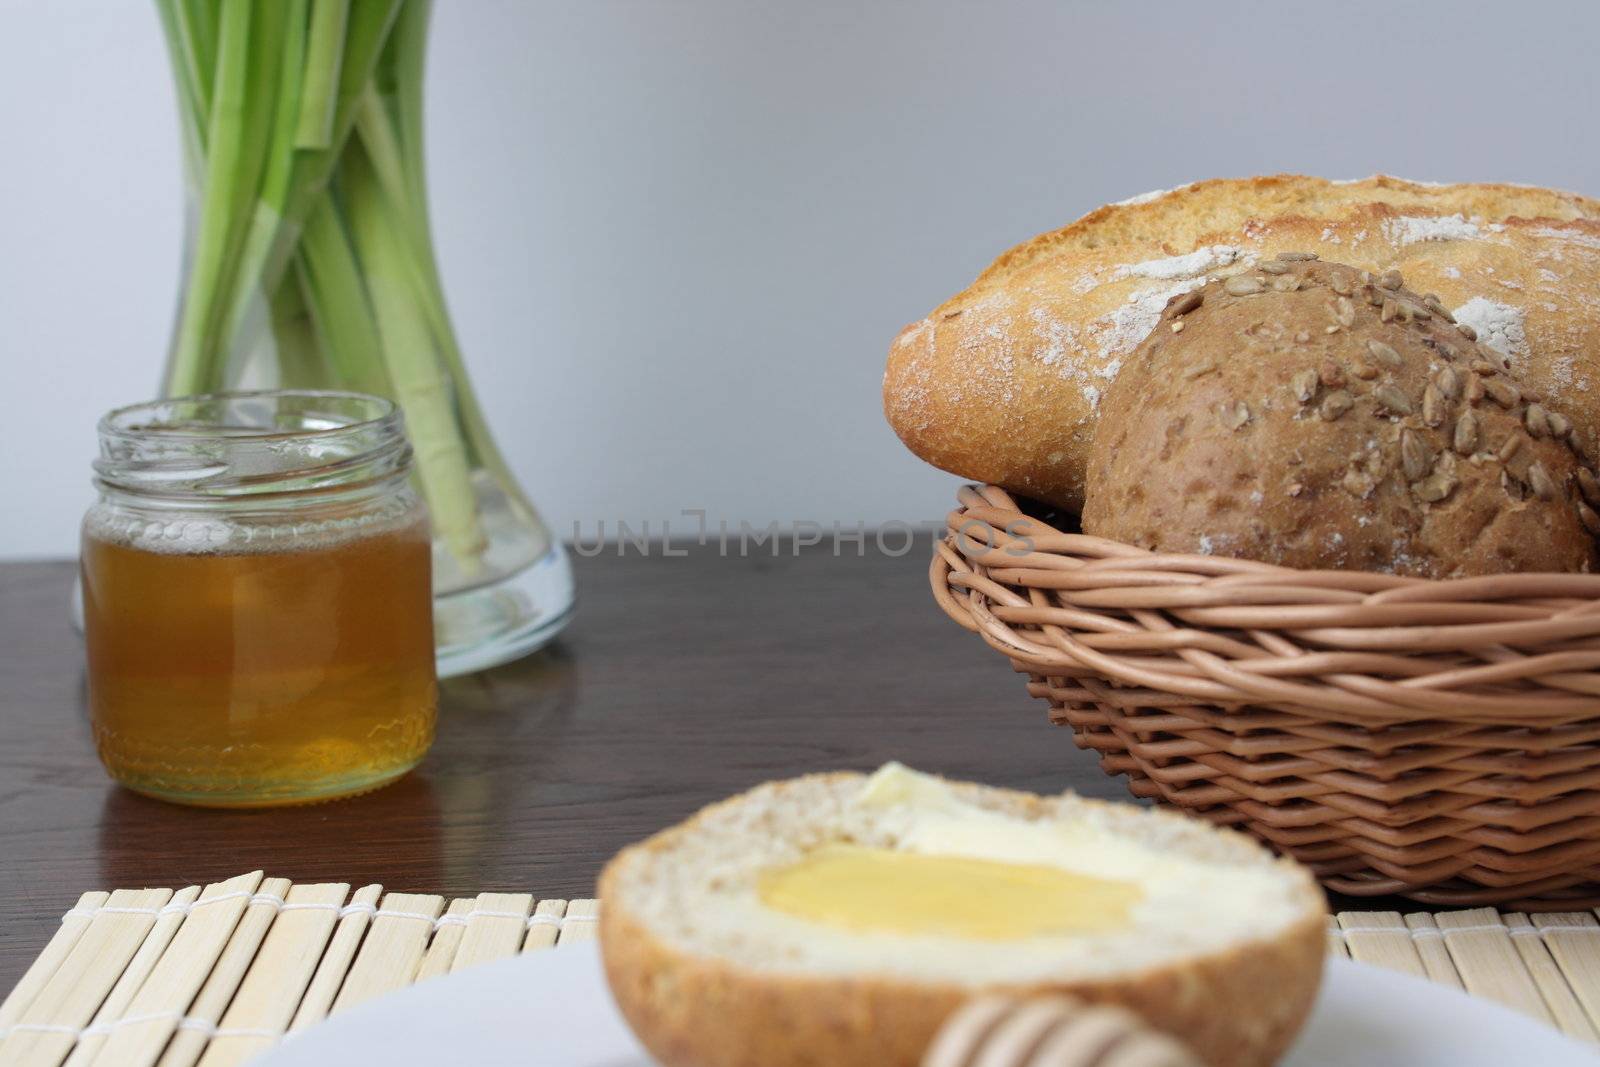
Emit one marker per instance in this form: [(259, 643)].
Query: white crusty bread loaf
[(1002, 383), (1224, 946)]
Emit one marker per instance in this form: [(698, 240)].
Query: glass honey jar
[(257, 599)]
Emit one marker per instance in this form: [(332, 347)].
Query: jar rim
[(114, 422), (263, 442)]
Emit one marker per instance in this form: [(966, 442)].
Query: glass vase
[(309, 264)]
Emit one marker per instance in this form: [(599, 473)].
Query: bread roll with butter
[(839, 919), (1313, 415), (1003, 382)]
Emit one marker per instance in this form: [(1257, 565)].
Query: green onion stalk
[(302, 132)]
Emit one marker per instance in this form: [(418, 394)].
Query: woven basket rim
[(1352, 646), (1437, 738)]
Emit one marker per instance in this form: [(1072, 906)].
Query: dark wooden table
[(680, 681)]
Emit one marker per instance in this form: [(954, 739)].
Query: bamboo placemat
[(214, 976), (1547, 966)]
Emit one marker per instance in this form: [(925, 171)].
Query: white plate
[(553, 1008)]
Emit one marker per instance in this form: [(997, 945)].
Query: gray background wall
[(678, 236)]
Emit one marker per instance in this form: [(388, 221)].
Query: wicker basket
[(1434, 739)]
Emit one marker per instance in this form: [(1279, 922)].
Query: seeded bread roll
[(708, 976), (1002, 383), (1313, 415)]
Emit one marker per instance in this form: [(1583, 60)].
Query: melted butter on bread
[(958, 869)]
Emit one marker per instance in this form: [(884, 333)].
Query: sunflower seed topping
[(1340, 283), (1236, 416), (1183, 303), (1501, 392), (1513, 488), (1537, 422), (1296, 257), (1467, 331), (1372, 295), (1273, 266), (1344, 312), (1465, 438), (1385, 354), (1483, 366), (1416, 457), (1508, 448), (1393, 399), (1365, 371), (1589, 485), (1359, 483), (1288, 283), (1433, 406), (1243, 285), (1304, 385), (1560, 425), (1332, 374), (1390, 279), (1199, 370), (1436, 487), (1335, 404), (1389, 310), (1449, 382), (1540, 482)]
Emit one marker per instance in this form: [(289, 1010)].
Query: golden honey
[(876, 890), (265, 647)]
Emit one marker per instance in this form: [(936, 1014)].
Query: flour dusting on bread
[(1500, 326), (1409, 229), (1192, 265)]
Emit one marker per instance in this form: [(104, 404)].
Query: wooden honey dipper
[(1049, 1031)]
